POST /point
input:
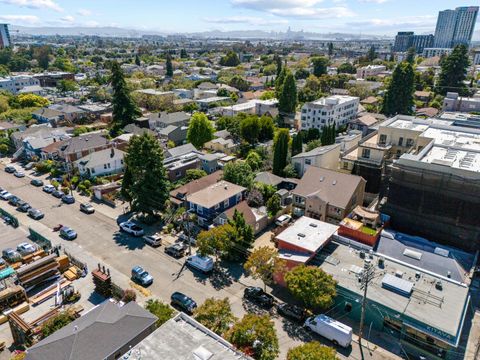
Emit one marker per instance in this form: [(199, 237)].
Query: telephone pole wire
[(367, 276)]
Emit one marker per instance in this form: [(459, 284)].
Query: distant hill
[(242, 34)]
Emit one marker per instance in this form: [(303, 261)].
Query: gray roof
[(268, 178), (97, 334), (85, 142), (137, 130), (167, 130), (101, 157), (180, 150), (47, 113), (170, 118), (183, 338), (317, 151), (222, 134), (66, 109)]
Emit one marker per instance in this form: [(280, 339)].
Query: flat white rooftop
[(408, 125), (340, 99)]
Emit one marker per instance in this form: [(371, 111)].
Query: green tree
[(216, 241), (346, 68), (137, 60), (183, 54), (453, 72), (230, 59), (313, 145), (148, 187), (411, 55), (330, 49), (64, 64), (297, 144), (244, 234), (31, 100), (289, 171), (239, 172), (319, 66), (124, 109), (239, 83), (287, 102), (278, 63), (162, 311), (371, 54), (263, 263), (194, 174), (312, 134), (42, 55), (280, 151), (66, 85), (200, 130), (312, 350), (169, 66), (274, 205), (216, 315), (250, 129), (57, 322), (302, 73), (399, 96), (254, 160), (267, 128), (279, 82), (312, 286), (255, 335), (79, 130), (3, 149)]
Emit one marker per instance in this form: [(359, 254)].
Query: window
[(217, 206), (199, 209), (308, 162), (409, 142), (400, 141), (225, 203), (239, 197), (104, 166), (178, 173), (366, 153), (383, 139)]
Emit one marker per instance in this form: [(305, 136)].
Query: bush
[(57, 322), (55, 184), (129, 295), (65, 190)]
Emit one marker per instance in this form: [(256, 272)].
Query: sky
[(380, 17)]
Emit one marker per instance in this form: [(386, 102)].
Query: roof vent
[(201, 353), (313, 225), (334, 182), (322, 178), (301, 235)]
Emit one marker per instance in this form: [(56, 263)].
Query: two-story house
[(211, 201), (327, 195), (80, 146), (323, 156), (101, 163)]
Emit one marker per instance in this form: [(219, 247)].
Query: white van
[(333, 330), (202, 263)]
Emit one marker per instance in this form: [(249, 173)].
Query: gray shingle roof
[(101, 157), (95, 335), (180, 150), (84, 142)]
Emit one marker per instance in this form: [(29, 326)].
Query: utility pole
[(367, 276)]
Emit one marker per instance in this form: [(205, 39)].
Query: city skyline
[(376, 17)]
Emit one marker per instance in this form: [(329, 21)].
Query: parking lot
[(100, 241)]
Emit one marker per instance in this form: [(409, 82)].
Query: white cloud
[(250, 20), (68, 19), (84, 12), (301, 9), (35, 4), (20, 19), (374, 1)]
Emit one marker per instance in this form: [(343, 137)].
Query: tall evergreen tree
[(287, 101), (137, 60), (320, 66), (330, 49), (280, 151), (147, 186), (371, 54), (411, 55), (279, 82), (297, 144), (399, 96), (124, 111), (278, 62), (169, 66), (183, 54), (453, 73)]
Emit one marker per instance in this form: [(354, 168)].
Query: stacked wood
[(38, 271)]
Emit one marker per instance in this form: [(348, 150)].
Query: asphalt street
[(99, 238)]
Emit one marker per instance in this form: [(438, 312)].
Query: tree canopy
[(453, 72), (280, 151), (320, 64), (200, 130), (287, 102), (312, 350), (239, 172), (262, 263), (215, 314), (230, 59), (162, 311), (399, 96)]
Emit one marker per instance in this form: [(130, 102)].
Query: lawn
[(369, 231)]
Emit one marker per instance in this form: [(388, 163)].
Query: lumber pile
[(63, 263), (11, 297), (37, 271)]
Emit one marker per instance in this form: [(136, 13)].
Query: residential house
[(179, 195), (364, 122), (454, 102), (180, 159), (70, 113), (209, 202), (257, 218), (370, 70), (47, 116), (164, 119), (15, 84), (268, 178), (213, 101), (31, 141), (324, 156), (327, 195), (176, 134), (52, 151), (348, 140), (181, 150), (101, 163), (105, 332), (423, 96), (83, 145), (52, 78), (210, 162), (226, 146), (137, 130)]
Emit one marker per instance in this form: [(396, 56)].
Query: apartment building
[(324, 156), (5, 40), (336, 109), (454, 102), (14, 84), (370, 70)]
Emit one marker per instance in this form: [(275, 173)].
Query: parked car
[(176, 250), (30, 166), (131, 228), (184, 302), (335, 331), (141, 276), (153, 240), (68, 199), (5, 195), (35, 214), (49, 189), (24, 207), (58, 194), (257, 295), (202, 263), (37, 183), (11, 255), (184, 238), (291, 311), (10, 169), (19, 174), (26, 248), (68, 233), (87, 208), (14, 200), (283, 220)]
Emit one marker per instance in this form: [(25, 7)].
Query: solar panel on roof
[(398, 285)]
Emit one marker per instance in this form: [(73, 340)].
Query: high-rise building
[(4, 36), (407, 39), (455, 27)]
